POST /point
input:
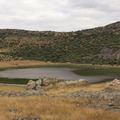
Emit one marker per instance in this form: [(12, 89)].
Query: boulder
[(70, 82), (38, 88), (39, 82), (46, 82), (82, 82), (115, 82), (31, 85)]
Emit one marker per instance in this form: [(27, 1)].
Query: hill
[(99, 45)]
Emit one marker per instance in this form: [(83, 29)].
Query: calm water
[(63, 73)]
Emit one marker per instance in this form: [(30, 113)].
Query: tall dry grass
[(25, 63), (12, 88), (51, 108), (63, 90)]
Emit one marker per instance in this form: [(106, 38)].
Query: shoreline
[(33, 63)]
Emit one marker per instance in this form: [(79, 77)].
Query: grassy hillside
[(97, 46)]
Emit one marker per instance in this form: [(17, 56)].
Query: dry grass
[(63, 90), (23, 63), (58, 90), (12, 88), (53, 108), (49, 108)]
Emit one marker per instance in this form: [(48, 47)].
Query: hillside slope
[(98, 45)]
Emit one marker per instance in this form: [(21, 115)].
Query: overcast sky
[(58, 15)]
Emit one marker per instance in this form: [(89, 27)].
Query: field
[(48, 108), (51, 109)]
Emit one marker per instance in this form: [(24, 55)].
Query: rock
[(14, 111), (61, 83), (115, 82), (38, 88), (32, 89), (70, 82), (110, 104), (35, 93), (31, 85), (39, 82), (46, 82), (82, 82), (27, 118), (22, 94), (31, 92), (108, 95), (110, 90), (50, 86)]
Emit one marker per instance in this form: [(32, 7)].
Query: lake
[(63, 73)]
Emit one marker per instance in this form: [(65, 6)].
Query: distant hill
[(99, 45)]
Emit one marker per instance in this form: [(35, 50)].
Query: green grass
[(95, 71), (14, 80), (54, 66)]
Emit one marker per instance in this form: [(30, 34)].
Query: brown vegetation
[(53, 108), (27, 63), (23, 63), (49, 108)]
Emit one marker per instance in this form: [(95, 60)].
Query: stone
[(31, 92), (38, 88), (110, 104), (39, 82), (14, 111), (115, 82), (61, 83), (70, 82), (82, 81), (46, 82), (50, 86), (31, 85), (35, 93), (27, 118)]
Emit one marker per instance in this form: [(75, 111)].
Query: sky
[(58, 15)]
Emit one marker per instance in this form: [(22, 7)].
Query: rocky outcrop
[(70, 82), (49, 82), (22, 94), (35, 88), (115, 82), (31, 85), (108, 95), (32, 89)]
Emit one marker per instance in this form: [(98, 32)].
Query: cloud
[(57, 15)]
